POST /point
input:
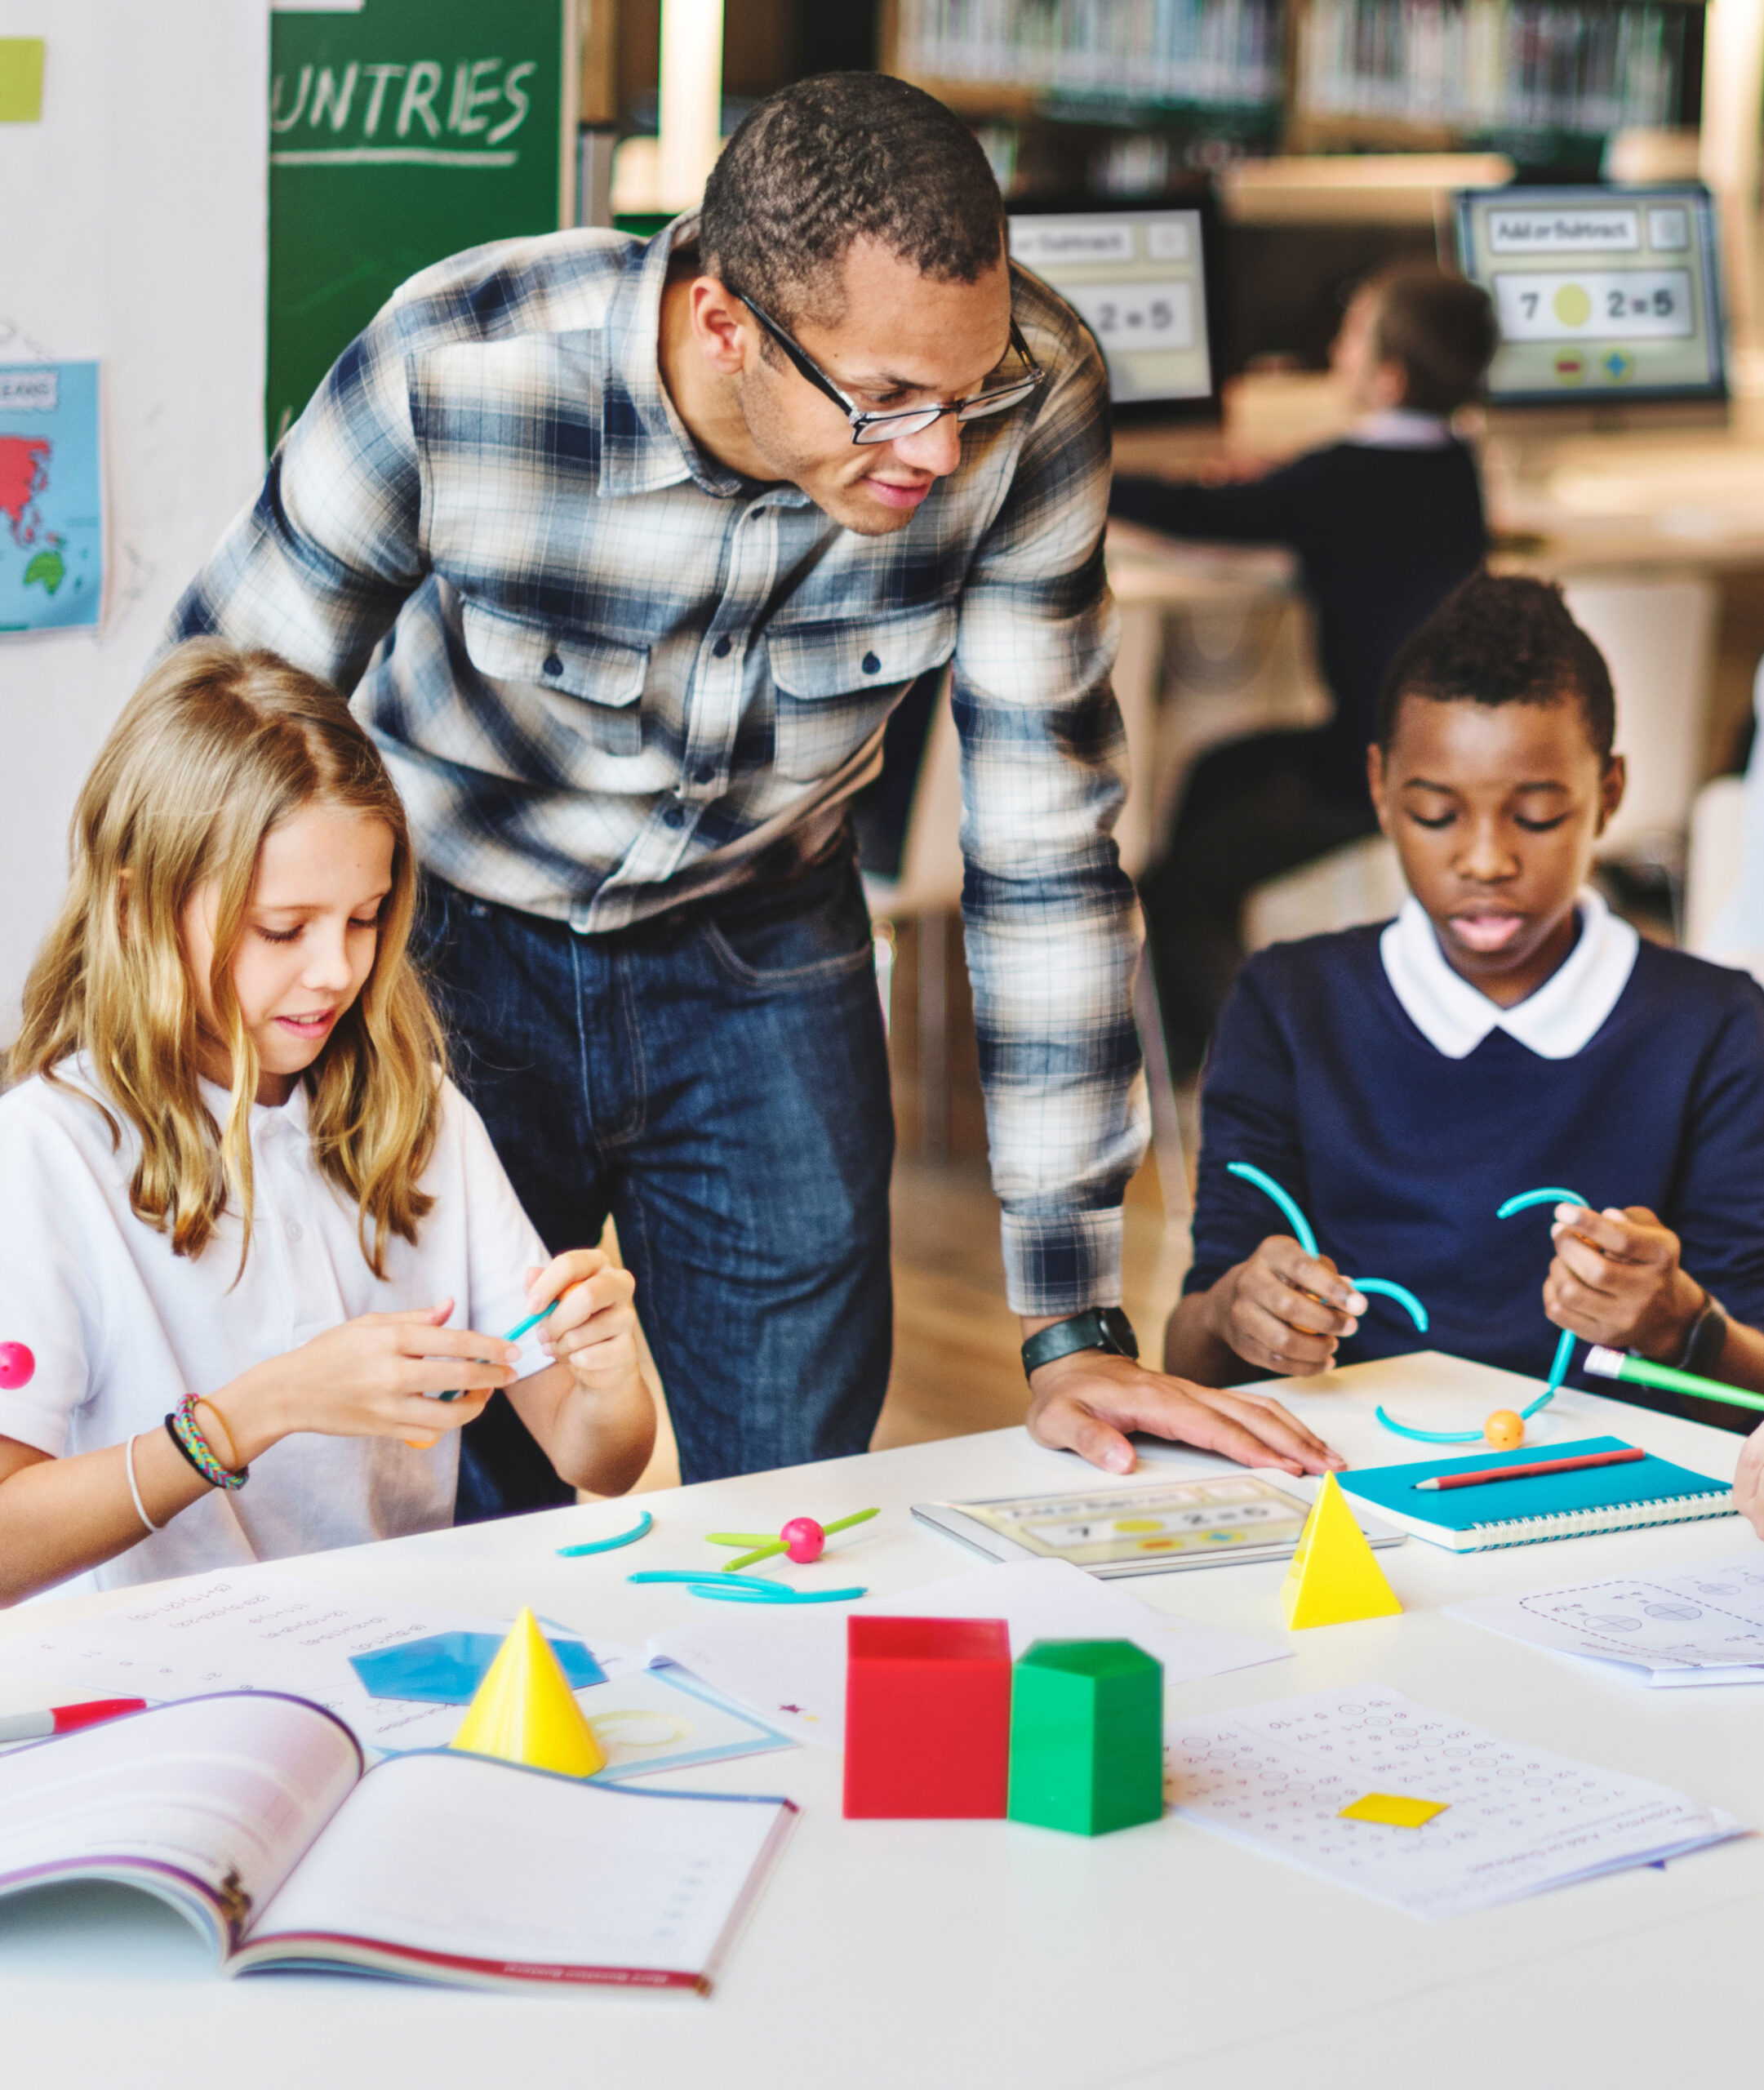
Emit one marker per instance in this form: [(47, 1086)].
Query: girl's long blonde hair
[(216, 748)]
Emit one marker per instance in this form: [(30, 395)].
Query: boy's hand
[(1083, 1403), (594, 1328), (1283, 1309), (1616, 1279), (1749, 1482)]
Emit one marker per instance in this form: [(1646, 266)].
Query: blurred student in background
[(1386, 523)]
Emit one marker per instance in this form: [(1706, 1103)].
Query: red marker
[(63, 1719)]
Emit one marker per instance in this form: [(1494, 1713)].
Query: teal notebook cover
[(1646, 1484)]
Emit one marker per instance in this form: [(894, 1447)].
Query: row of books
[(1584, 67), (1192, 52), (1494, 65)]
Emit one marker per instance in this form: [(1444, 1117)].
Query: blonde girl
[(250, 1231)]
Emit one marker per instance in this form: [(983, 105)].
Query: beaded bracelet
[(181, 1428)]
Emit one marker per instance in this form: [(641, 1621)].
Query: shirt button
[(674, 816), (704, 773), (296, 1230), (872, 665), (721, 649), (553, 665)]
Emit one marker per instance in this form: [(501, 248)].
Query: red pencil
[(1475, 1479), (63, 1719)]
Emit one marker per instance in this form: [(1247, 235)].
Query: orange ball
[(1503, 1429)]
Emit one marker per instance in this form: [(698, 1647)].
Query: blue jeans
[(716, 1079)]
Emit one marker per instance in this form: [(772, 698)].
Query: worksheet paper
[(1698, 1625), (1516, 1820), (266, 1631), (789, 1665), (257, 1631)]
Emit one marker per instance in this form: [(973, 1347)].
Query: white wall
[(132, 230)]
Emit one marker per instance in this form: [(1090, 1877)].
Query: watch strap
[(1106, 1328)]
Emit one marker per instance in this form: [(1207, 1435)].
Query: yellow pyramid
[(525, 1713), (1334, 1577)]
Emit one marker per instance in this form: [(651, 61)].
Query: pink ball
[(804, 1539), (17, 1365)]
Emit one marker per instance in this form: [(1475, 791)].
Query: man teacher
[(626, 552)]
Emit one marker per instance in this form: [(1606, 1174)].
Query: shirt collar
[(1402, 428), (644, 443), (1557, 1021), (271, 1118)]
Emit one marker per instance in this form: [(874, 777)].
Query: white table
[(985, 1953)]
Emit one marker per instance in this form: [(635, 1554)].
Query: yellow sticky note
[(1394, 1808), (21, 79)]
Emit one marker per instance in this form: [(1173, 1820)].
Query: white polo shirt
[(122, 1329)]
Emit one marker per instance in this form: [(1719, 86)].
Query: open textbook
[(1700, 1624), (251, 1814)]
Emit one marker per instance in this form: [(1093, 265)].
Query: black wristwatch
[(1102, 1328), (1707, 1339)]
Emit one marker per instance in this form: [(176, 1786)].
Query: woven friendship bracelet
[(181, 1427)]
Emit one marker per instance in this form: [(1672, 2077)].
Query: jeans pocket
[(792, 945)]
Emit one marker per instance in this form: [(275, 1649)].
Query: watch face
[(1119, 1330)]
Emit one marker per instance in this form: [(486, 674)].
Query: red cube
[(927, 1717)]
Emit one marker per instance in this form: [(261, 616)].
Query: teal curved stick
[(1558, 1369), (641, 1528), (741, 1589), (1427, 1436), (1401, 1293), (1526, 1198), (1301, 1226)]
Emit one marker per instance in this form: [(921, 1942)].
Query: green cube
[(1087, 1737)]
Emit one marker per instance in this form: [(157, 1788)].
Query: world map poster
[(51, 528)]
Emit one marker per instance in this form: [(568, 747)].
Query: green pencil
[(1614, 1364)]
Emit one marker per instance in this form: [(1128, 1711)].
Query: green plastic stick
[(844, 1523), (1613, 1364)]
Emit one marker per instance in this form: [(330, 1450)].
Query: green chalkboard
[(400, 132)]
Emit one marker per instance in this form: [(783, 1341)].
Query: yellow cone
[(525, 1713), (1334, 1576)]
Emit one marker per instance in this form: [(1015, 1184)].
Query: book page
[(212, 1799), (1511, 1820), (791, 1668), (458, 1859), (1696, 1620), (255, 1629)]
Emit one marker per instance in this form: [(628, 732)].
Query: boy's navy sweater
[(1383, 536), (1400, 1156)]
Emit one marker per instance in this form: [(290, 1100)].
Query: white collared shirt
[(1557, 1021), (1402, 428), (122, 1329)]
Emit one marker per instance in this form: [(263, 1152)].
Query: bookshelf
[(1543, 81)]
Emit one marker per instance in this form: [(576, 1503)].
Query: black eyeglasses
[(912, 420)]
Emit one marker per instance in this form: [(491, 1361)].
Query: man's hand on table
[(1085, 1402)]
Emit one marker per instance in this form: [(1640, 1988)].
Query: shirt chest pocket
[(587, 684), (836, 681)]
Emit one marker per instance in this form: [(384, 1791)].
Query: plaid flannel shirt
[(608, 673)]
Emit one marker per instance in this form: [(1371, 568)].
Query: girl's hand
[(593, 1330), (1283, 1309), (1749, 1482), (1616, 1279), (367, 1379)]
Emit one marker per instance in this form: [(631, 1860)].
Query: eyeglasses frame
[(806, 366)]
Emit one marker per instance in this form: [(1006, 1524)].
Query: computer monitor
[(1138, 276), (1603, 295)]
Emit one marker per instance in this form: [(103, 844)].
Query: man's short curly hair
[(1499, 640), (840, 158)]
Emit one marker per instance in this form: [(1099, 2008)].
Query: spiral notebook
[(1623, 1498)]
